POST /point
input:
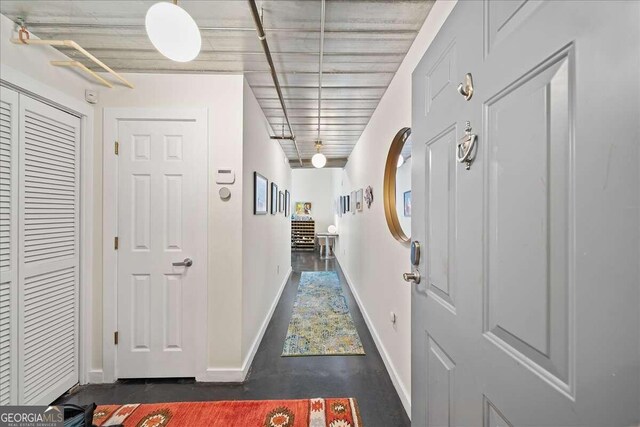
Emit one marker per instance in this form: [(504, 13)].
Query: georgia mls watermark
[(31, 416)]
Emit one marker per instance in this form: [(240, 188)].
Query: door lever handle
[(188, 262), (412, 277)]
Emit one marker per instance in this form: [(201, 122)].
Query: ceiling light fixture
[(318, 160), (173, 31)]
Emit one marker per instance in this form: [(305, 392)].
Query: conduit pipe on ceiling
[(321, 55), (319, 160), (265, 46)]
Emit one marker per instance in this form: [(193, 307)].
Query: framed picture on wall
[(274, 198), (407, 203), (359, 200), (340, 203), (347, 204), (303, 208), (287, 203), (281, 202), (353, 202), (260, 194)]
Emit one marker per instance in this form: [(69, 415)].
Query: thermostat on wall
[(225, 176)]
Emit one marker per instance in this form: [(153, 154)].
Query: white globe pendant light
[(173, 32), (318, 160)]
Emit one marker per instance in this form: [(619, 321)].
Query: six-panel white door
[(527, 314), (161, 221)]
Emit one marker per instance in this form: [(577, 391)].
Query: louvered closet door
[(48, 251), (8, 245)]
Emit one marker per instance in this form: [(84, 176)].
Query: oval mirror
[(397, 186)]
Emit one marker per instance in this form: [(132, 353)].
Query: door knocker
[(466, 147)]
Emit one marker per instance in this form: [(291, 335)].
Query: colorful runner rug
[(321, 323), (238, 413)]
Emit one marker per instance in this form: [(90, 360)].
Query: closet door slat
[(9, 113)]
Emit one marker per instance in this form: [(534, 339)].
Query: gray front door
[(527, 313)]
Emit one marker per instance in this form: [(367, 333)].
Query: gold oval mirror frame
[(389, 186)]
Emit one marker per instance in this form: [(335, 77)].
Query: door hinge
[(116, 147), (115, 243), (115, 337)]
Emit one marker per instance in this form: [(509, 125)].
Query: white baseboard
[(95, 376), (222, 375), (238, 375), (246, 365), (405, 397)]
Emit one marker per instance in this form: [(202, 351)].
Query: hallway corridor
[(274, 377)]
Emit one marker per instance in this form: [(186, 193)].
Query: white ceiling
[(365, 42)]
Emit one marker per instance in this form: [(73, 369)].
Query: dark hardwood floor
[(274, 377)]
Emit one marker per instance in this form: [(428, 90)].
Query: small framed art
[(359, 200), (287, 203), (274, 198), (260, 194), (353, 202)]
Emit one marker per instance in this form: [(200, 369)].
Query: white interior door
[(162, 196), (48, 251), (527, 312)]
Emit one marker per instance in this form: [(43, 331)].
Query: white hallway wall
[(248, 255), (230, 333), (221, 95), (316, 186), (28, 68), (266, 239), (370, 257)]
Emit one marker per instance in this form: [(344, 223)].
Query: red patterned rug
[(237, 413)]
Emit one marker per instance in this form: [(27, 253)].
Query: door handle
[(188, 262), (412, 277)]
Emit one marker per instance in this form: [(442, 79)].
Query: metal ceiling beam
[(265, 46), (323, 109), (205, 69), (326, 87), (270, 117), (369, 98), (141, 28), (252, 53)]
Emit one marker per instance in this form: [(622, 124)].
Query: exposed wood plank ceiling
[(365, 42)]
